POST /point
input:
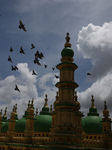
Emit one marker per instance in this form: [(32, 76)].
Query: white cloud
[(29, 86), (94, 42)]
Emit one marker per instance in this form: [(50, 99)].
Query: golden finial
[(32, 102), (67, 44), (51, 108), (105, 105), (15, 108), (36, 111), (29, 104), (92, 100), (5, 111), (46, 105)]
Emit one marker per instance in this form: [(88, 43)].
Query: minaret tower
[(65, 114)]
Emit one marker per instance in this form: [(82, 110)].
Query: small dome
[(43, 121), (20, 125), (68, 52), (92, 123), (4, 127)]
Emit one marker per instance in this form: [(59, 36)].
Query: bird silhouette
[(21, 26), (16, 67), (88, 74), (36, 61), (11, 49), (41, 55), (34, 73), (32, 46), (13, 68), (53, 68), (45, 66), (21, 50), (56, 76), (9, 59), (16, 88)]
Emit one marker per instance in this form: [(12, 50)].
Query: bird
[(32, 46), (41, 55), (56, 76), (13, 68), (21, 26), (53, 68), (21, 50), (45, 66), (88, 74), (11, 49), (37, 61), (9, 59), (16, 88), (33, 73), (16, 67)]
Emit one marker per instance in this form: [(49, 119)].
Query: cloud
[(94, 42), (30, 87)]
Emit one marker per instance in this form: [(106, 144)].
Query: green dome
[(4, 127), (43, 121), (20, 125), (92, 123), (68, 52)]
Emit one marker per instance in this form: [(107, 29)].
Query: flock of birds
[(38, 55)]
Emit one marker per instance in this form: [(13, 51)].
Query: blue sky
[(89, 23)]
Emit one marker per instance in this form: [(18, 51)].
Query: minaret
[(106, 122), (12, 121), (63, 129)]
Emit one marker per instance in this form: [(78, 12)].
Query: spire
[(105, 111), (92, 100), (51, 109), (67, 44), (5, 111), (46, 105), (32, 105)]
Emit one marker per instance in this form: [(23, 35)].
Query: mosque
[(62, 126)]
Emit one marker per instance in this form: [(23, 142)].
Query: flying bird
[(41, 55), (16, 67), (21, 26), (21, 50), (56, 76), (45, 66), (88, 74), (36, 61), (53, 68), (16, 88), (13, 68), (32, 46), (34, 73), (11, 49), (9, 59)]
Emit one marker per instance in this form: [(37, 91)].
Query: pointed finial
[(5, 111), (105, 105), (15, 108), (67, 44), (36, 111), (46, 105), (29, 104), (32, 102), (51, 108), (92, 100)]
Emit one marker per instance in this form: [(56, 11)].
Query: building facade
[(62, 127)]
